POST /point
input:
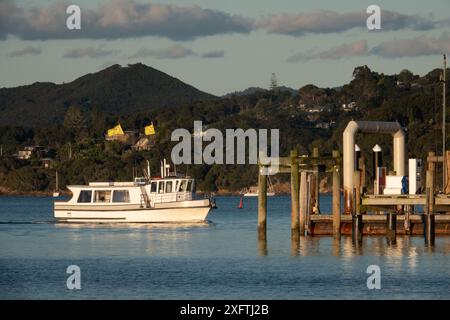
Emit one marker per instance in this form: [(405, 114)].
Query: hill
[(113, 91), (253, 90), (313, 117)]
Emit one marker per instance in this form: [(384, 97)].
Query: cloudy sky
[(221, 46)]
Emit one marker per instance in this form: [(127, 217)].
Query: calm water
[(218, 260)]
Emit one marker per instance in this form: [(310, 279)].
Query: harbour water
[(221, 259)]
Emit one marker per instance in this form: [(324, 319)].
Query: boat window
[(121, 196), (189, 185), (85, 196), (183, 186), (168, 186), (161, 187), (102, 196), (154, 187)]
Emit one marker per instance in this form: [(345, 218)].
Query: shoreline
[(67, 193), (280, 189)]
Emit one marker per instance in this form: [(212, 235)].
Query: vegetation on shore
[(313, 117)]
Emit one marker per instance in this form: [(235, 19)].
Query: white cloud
[(326, 21), (116, 19), (412, 47), (172, 52), (397, 48), (119, 19), (34, 51), (89, 52), (214, 54)]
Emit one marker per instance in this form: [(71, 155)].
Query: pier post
[(447, 167), (295, 206), (310, 201), (428, 218), (357, 225), (316, 182), (431, 166), (407, 222), (391, 222), (357, 190), (362, 168), (262, 205), (303, 201), (336, 196)]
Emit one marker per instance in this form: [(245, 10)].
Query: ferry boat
[(168, 198)]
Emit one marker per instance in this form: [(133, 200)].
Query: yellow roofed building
[(117, 134), (149, 130)]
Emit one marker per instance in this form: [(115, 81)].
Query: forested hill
[(312, 117), (113, 91)]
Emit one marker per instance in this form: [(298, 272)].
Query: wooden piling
[(357, 228), (357, 179), (447, 159), (262, 205), (316, 183), (357, 225), (407, 220), (429, 231), (428, 219), (295, 206), (391, 224), (310, 201), (430, 175), (336, 196), (303, 202), (362, 169)]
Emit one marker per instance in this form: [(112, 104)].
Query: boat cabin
[(141, 191)]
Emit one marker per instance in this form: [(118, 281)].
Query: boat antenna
[(148, 170)]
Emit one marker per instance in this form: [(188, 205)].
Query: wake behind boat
[(163, 199)]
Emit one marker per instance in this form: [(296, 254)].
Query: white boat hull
[(269, 194), (190, 211)]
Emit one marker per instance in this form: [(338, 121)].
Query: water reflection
[(262, 247), (180, 225), (135, 239), (402, 253), (295, 246), (337, 247), (309, 246)]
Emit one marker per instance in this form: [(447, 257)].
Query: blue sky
[(221, 46)]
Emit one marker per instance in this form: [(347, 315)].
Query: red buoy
[(241, 203)]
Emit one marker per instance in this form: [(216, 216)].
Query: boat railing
[(172, 197)]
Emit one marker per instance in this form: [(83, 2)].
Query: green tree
[(406, 76)]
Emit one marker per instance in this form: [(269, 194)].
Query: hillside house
[(128, 137), (28, 151), (143, 144)]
